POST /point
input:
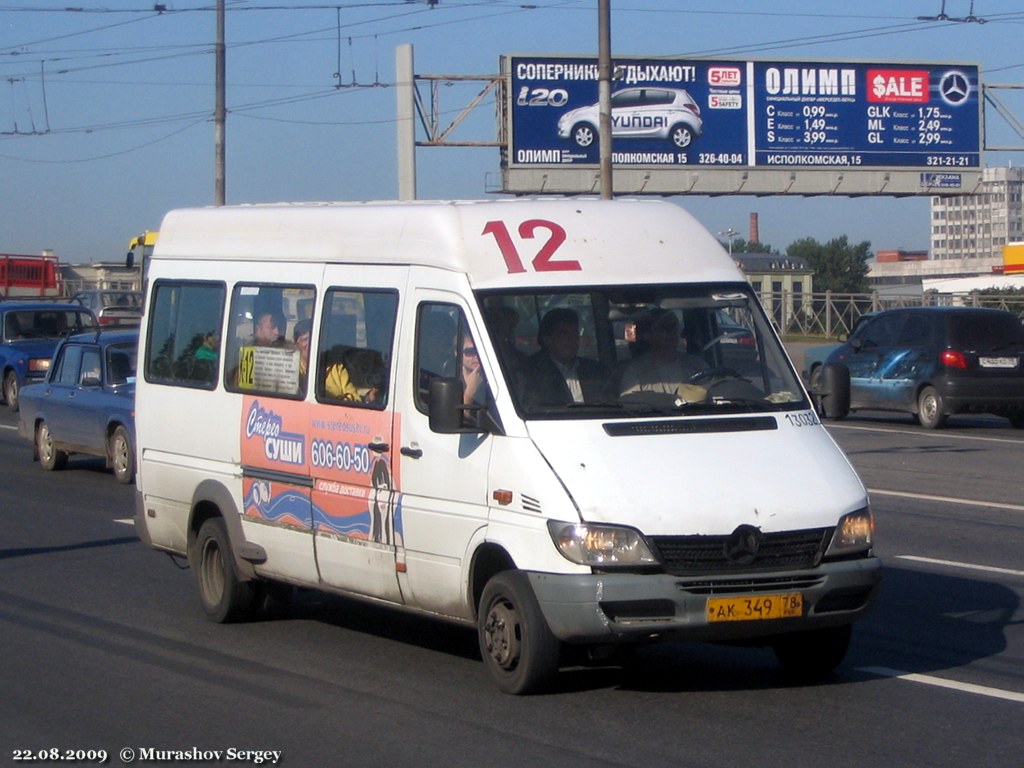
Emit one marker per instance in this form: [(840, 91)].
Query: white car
[(638, 113)]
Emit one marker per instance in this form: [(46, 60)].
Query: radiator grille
[(788, 550)]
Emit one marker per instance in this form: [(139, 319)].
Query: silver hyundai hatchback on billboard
[(638, 113)]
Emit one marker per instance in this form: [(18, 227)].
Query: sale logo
[(898, 86)]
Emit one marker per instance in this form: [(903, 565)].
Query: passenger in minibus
[(266, 331), (474, 384), (301, 334), (665, 366), (557, 375)]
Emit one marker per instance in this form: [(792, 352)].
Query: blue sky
[(106, 111)]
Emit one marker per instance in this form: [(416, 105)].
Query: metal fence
[(832, 315)]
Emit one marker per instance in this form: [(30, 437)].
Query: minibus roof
[(508, 243)]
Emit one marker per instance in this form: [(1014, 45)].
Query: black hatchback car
[(937, 361)]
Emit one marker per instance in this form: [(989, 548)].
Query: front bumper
[(610, 608)]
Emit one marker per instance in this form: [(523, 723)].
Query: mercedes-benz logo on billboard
[(955, 88), (742, 545)]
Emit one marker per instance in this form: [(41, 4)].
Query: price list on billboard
[(772, 115), (854, 115)]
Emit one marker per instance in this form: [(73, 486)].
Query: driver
[(664, 367)]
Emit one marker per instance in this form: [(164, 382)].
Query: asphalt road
[(105, 647)]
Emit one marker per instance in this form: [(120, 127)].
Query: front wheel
[(682, 136), (50, 456), (11, 390), (122, 457), (584, 135), (517, 646), (929, 408), (224, 597), (813, 654)]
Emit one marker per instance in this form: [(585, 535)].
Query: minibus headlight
[(600, 545), (855, 533)]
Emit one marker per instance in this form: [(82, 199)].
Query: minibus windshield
[(606, 352)]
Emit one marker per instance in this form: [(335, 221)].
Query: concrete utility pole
[(604, 94), (219, 111), (405, 92)]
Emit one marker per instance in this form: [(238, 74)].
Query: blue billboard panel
[(747, 114)]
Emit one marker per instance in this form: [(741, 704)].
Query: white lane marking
[(125, 520), (965, 566), (940, 682), (8, 426), (948, 499), (931, 433)]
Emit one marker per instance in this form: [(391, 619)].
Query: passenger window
[(915, 332), (69, 365), (262, 354), (881, 332), (357, 332), (91, 370), (445, 348), (183, 347)]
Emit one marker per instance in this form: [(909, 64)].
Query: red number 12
[(543, 261)]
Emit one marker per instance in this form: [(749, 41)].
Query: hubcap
[(120, 456), (501, 636), (45, 445), (212, 573)]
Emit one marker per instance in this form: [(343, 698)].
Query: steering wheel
[(710, 374)]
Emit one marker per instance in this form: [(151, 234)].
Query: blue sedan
[(86, 404)]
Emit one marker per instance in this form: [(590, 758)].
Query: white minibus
[(566, 422)]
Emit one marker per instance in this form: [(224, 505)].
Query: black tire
[(121, 456), (50, 456), (814, 379), (681, 135), (225, 598), (814, 384), (812, 655), (583, 135), (929, 409), (517, 646), (11, 390)]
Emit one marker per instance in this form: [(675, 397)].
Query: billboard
[(750, 126)]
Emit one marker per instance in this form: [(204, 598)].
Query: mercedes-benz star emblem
[(742, 545), (955, 88)]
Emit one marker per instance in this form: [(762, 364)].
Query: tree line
[(838, 266)]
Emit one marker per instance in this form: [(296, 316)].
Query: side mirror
[(445, 404), (835, 391), (129, 261), (449, 416)]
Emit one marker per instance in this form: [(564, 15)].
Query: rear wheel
[(224, 597), (50, 456), (929, 408), (517, 646), (11, 390), (812, 655), (122, 457)]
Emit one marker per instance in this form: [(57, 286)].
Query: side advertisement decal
[(312, 467)]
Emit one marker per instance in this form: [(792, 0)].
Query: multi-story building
[(978, 226)]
